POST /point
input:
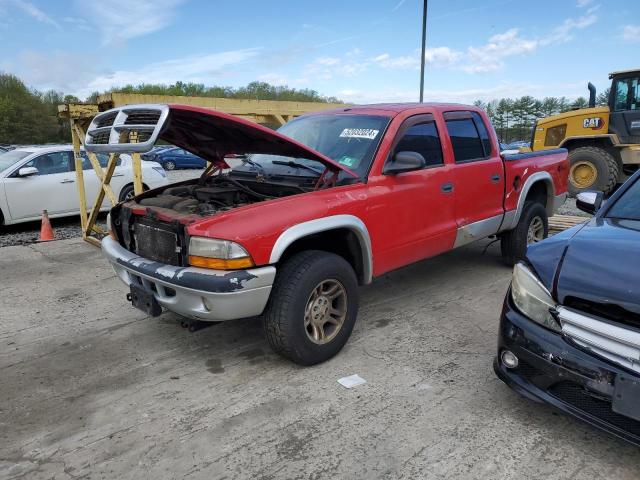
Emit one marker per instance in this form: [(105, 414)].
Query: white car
[(33, 179)]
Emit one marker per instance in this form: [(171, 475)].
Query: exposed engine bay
[(212, 194)]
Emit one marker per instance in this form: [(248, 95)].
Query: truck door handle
[(495, 178), (117, 175), (447, 187), (67, 180)]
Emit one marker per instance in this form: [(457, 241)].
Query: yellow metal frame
[(79, 115)]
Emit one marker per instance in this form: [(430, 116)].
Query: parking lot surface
[(91, 388)]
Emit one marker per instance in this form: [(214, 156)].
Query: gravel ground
[(25, 233)]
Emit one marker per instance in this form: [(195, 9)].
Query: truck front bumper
[(197, 293)]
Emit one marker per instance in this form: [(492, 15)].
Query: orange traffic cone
[(46, 232)]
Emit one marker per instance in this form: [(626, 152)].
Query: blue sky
[(360, 51)]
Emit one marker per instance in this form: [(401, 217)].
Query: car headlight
[(161, 171), (218, 254), (532, 298)]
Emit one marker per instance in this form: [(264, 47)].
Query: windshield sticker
[(347, 161), (367, 133)]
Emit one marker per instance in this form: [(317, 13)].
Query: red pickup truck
[(312, 211)]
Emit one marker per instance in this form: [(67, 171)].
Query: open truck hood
[(204, 132)]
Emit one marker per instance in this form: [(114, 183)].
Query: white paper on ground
[(351, 381)]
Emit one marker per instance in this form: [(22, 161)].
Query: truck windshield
[(11, 157), (350, 140), (628, 205)]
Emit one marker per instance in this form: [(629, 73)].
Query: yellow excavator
[(603, 142)]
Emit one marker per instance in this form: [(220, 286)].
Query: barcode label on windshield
[(359, 133)]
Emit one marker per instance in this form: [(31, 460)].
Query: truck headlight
[(218, 254), (532, 298)]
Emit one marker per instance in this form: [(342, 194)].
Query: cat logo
[(593, 123)]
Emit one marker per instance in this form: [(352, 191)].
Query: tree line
[(28, 116), (514, 118)]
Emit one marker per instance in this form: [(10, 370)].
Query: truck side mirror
[(404, 162), (27, 171), (589, 202)]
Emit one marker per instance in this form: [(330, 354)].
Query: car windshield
[(350, 140), (11, 158), (628, 205)]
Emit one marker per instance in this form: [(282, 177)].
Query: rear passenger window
[(422, 138), (469, 137), (484, 134)]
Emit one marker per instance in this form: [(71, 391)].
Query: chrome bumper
[(198, 293)]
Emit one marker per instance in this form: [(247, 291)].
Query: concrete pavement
[(90, 388)]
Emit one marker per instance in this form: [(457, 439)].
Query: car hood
[(212, 135), (597, 262)]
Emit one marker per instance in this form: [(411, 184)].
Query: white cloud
[(120, 20), (490, 57), (58, 70), (583, 3), (442, 56), (326, 68), (402, 62), (195, 68), (562, 33), (631, 33), (28, 8), (71, 74), (467, 96)]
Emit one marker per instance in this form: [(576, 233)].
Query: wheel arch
[(345, 235), (537, 187), (130, 184)]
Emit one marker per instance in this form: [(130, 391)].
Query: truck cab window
[(423, 139), (627, 94), (465, 137)]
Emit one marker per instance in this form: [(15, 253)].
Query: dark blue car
[(570, 327), (173, 157)]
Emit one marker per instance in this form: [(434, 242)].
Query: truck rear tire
[(532, 227), (312, 308), (592, 168)]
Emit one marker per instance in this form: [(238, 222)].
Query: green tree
[(24, 116)]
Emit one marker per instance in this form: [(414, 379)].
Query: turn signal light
[(221, 263)]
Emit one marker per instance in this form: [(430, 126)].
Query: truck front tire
[(532, 227), (312, 308), (592, 168)]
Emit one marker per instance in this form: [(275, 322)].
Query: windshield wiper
[(252, 163), (293, 164)]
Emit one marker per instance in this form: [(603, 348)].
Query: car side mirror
[(589, 202), (404, 162), (27, 171)]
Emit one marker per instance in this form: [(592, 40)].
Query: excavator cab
[(624, 106), (603, 141)]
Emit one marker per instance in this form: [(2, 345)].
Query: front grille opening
[(611, 312), (157, 241), (143, 117), (169, 292), (580, 398), (106, 121), (100, 138)]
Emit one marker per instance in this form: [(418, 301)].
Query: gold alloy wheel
[(325, 312), (536, 231), (583, 174)]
